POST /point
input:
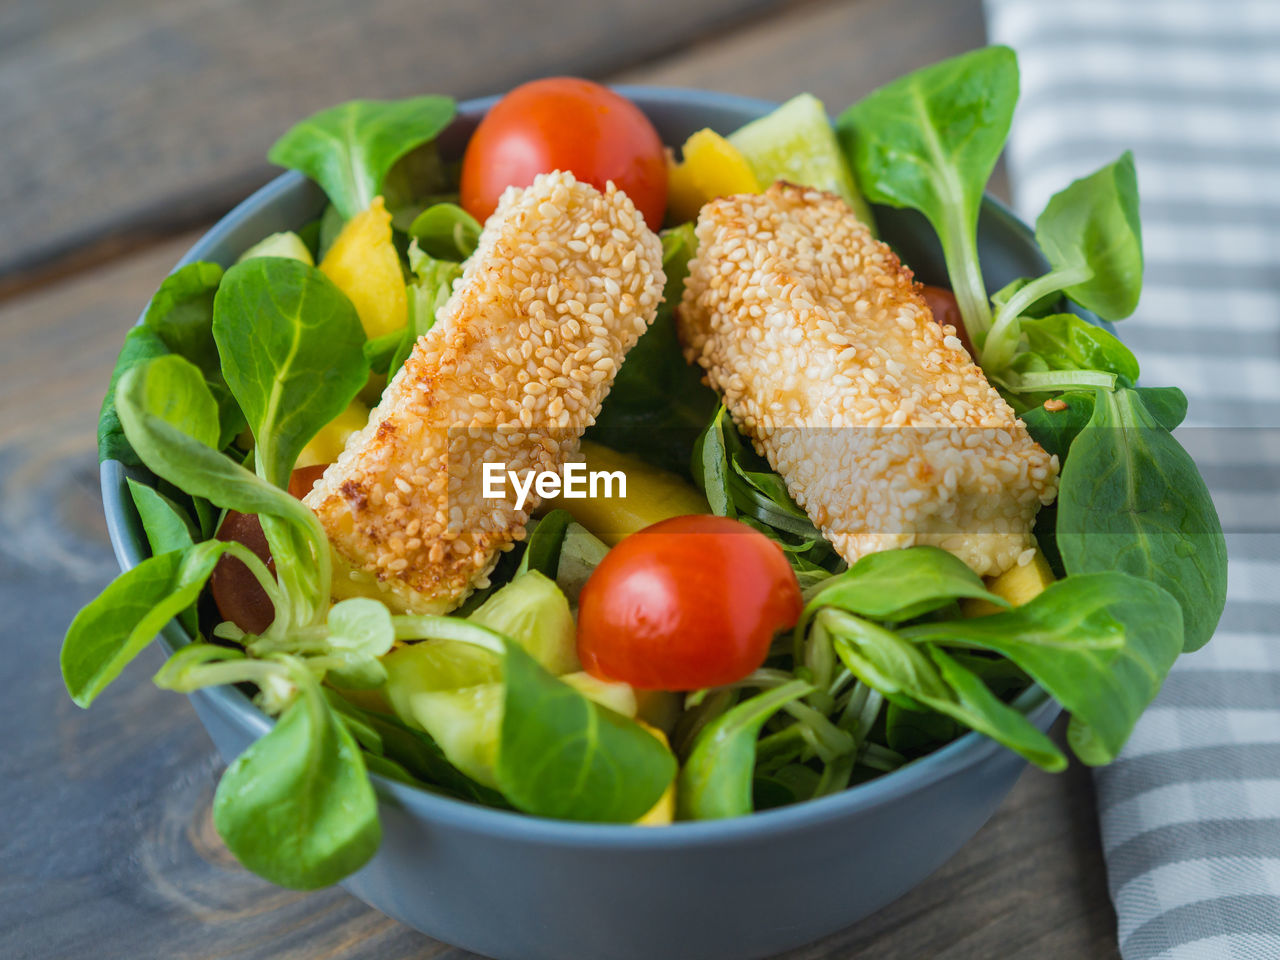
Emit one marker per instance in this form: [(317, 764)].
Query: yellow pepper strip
[(712, 167), (364, 265), (653, 494), (332, 438), (664, 811), (1017, 585)]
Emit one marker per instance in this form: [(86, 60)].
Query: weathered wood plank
[(837, 51), (124, 120)]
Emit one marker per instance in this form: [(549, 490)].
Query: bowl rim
[(966, 751)]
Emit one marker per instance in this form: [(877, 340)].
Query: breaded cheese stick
[(563, 282), (828, 359)]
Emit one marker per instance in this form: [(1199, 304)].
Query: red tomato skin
[(239, 596), (236, 591), (686, 603), (304, 478), (565, 123)]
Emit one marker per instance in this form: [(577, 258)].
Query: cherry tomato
[(687, 603), (239, 596), (564, 123), (943, 306), (236, 591), (304, 478)]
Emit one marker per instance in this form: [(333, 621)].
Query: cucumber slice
[(796, 143), (288, 245)]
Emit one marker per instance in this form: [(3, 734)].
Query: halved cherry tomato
[(239, 596), (687, 603), (304, 478), (945, 310), (237, 593), (564, 123)]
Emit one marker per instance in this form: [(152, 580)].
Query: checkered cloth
[(1190, 813)]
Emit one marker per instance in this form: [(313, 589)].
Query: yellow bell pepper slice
[(332, 438), (1018, 585), (664, 811), (364, 265), (653, 494), (712, 167)]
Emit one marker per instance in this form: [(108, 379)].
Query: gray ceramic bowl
[(520, 888)]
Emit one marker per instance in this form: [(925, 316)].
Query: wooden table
[(125, 129)]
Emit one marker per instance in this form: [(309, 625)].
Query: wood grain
[(107, 850), (130, 119)]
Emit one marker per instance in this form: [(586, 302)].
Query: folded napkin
[(1190, 812)]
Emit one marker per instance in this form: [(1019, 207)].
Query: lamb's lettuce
[(929, 141), (349, 149)]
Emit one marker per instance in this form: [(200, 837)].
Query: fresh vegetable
[(273, 818), (659, 404), (1020, 584), (349, 149), (429, 288), (236, 589), (302, 365), (364, 265), (446, 231), (929, 141), (287, 244), (1100, 643), (1131, 499), (181, 316), (653, 494), (715, 781), (563, 123), (1092, 238), (687, 603), (331, 439), (796, 143), (710, 167)]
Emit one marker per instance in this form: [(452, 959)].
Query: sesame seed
[(496, 372), (806, 324)]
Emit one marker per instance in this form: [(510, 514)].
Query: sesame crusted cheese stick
[(563, 282), (828, 359)]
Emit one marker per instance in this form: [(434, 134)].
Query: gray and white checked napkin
[(1190, 813)]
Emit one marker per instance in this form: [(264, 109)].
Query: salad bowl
[(511, 886)]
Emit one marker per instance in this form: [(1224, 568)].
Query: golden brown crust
[(564, 280), (828, 359)]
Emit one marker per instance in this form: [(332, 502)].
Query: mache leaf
[(1130, 498), (297, 807), (350, 148), (140, 345), (291, 346), (716, 780), (1067, 342), (1100, 643), (919, 675), (562, 755), (114, 628), (897, 585), (1093, 225), (929, 141)]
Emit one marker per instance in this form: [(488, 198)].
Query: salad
[(600, 480)]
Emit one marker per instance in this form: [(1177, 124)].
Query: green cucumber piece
[(796, 143)]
